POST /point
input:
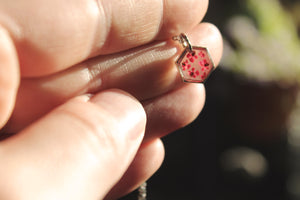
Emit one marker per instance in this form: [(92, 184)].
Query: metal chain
[(142, 192)]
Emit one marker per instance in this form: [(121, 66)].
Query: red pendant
[(195, 65)]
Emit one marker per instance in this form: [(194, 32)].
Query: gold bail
[(184, 40)]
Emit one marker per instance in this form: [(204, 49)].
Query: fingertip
[(174, 110), (208, 35), (197, 96), (181, 16), (147, 161), (190, 105), (125, 108), (9, 75)]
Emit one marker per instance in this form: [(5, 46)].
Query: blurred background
[(246, 142)]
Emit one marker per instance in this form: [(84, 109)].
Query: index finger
[(52, 35)]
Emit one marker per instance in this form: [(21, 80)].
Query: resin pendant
[(195, 66), (195, 63)]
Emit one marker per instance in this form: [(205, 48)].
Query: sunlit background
[(245, 145)]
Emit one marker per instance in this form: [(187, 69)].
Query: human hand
[(84, 47)]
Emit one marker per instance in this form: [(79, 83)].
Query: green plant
[(264, 44)]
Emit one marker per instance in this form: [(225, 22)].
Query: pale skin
[(88, 88)]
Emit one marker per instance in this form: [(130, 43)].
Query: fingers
[(181, 16), (164, 115), (174, 110), (9, 76), (58, 34), (145, 72), (78, 151), (144, 20), (147, 161)]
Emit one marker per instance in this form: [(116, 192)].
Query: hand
[(73, 147)]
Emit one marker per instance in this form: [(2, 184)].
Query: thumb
[(9, 76), (78, 151)]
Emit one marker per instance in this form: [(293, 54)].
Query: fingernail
[(129, 113)]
